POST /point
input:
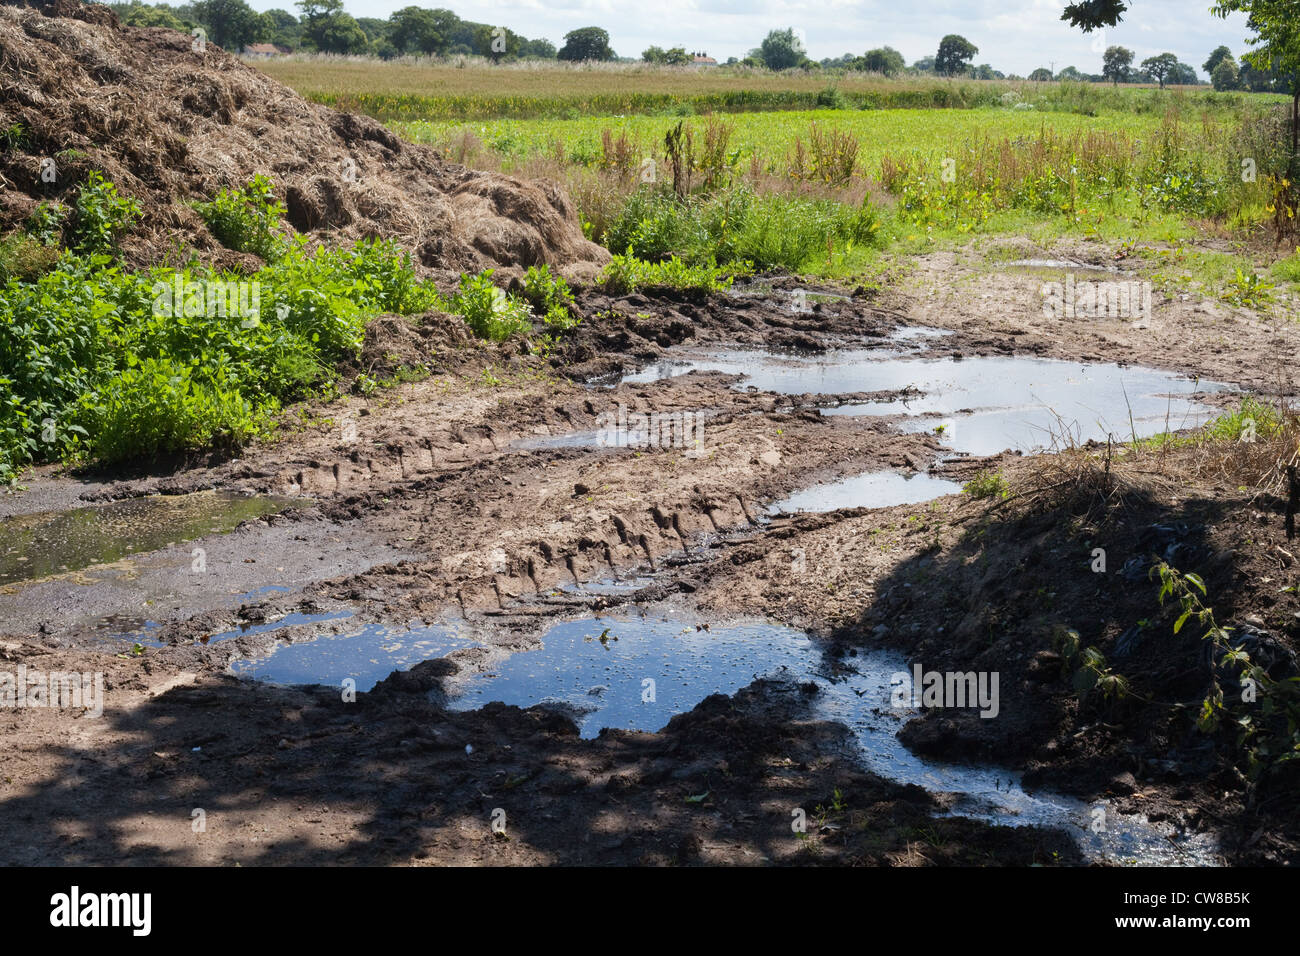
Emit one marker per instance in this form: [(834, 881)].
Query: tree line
[(324, 26)]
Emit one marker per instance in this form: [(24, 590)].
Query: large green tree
[(1225, 76), (1160, 66), (884, 60), (414, 30), (329, 29), (283, 28), (955, 53), (1116, 63), (231, 24), (1220, 54), (782, 50), (587, 43), (1276, 24), (541, 48)]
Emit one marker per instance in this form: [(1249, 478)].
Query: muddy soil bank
[(966, 585), (189, 768)]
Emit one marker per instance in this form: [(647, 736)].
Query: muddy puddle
[(367, 655), (977, 406), (43, 544), (879, 489), (636, 672)]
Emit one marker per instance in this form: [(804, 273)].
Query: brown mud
[(442, 497)]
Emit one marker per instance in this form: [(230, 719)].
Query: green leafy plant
[(550, 297), (46, 223), (627, 273), (248, 219), (488, 310), (104, 363), (1249, 290), (101, 215), (1090, 672), (1264, 711), (987, 484)]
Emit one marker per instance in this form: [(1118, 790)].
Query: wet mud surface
[(480, 570)]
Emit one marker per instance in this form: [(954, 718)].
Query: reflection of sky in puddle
[(647, 670), (880, 489), (986, 404), (367, 656), (606, 680), (608, 684)]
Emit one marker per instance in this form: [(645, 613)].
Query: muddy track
[(480, 494)]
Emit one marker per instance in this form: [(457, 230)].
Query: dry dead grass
[(1097, 481)]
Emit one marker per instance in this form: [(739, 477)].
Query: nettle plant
[(1265, 711), (550, 297), (101, 215), (488, 310), (247, 219)]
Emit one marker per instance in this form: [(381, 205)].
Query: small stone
[(1124, 783)]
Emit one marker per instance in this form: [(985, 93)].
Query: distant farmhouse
[(703, 59), (265, 50)]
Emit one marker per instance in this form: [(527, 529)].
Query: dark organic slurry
[(39, 545), (637, 672)]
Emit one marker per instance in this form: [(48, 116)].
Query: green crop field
[(946, 156)]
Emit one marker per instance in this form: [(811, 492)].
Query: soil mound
[(171, 120)]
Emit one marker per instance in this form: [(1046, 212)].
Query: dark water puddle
[(636, 673), (36, 546), (366, 656), (880, 489), (597, 669), (863, 703), (980, 405)]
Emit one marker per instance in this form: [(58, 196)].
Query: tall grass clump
[(772, 231)]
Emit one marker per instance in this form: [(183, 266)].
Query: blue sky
[(1013, 35)]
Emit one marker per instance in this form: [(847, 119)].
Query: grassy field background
[(470, 88)]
